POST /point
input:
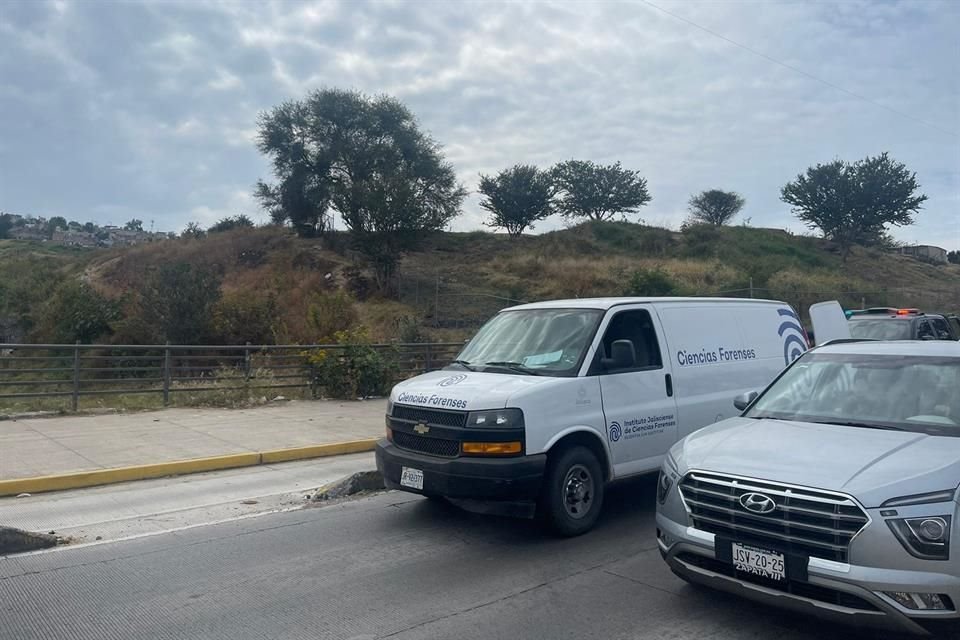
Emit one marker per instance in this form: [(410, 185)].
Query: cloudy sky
[(115, 110)]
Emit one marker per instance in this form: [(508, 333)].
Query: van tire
[(572, 492)]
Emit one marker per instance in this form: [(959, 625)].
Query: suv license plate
[(412, 478), (760, 562)]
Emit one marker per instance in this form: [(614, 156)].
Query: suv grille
[(429, 416), (805, 521), (430, 446)]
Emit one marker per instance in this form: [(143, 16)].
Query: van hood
[(467, 390), (870, 464)]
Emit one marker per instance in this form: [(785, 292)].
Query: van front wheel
[(572, 494)]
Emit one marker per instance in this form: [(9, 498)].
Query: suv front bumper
[(843, 593)]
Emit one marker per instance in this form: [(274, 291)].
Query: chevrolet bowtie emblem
[(421, 428)]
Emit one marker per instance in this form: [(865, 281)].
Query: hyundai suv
[(835, 492)]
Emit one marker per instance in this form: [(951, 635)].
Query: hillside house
[(74, 238), (926, 252)]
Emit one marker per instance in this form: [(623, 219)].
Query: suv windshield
[(535, 341), (881, 329), (911, 393)]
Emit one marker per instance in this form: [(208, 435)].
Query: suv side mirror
[(622, 356), (743, 400)]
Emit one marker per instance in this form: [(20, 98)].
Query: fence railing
[(74, 371)]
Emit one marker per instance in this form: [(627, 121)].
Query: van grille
[(429, 446), (429, 416), (805, 521)]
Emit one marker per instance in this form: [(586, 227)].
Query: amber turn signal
[(492, 448)]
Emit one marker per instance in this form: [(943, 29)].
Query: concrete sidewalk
[(60, 445)]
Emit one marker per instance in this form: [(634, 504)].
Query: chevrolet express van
[(551, 401)]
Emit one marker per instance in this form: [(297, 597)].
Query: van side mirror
[(743, 400), (622, 356)]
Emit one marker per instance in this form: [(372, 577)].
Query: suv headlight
[(925, 538), (497, 418)]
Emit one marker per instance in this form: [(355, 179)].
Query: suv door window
[(636, 327), (925, 331), (941, 329)]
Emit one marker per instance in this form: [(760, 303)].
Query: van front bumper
[(512, 479), (842, 593)]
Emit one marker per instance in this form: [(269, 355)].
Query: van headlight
[(497, 418), (925, 538)]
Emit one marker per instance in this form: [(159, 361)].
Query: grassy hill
[(288, 289)]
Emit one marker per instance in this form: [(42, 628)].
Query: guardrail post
[(166, 375), (428, 358), (76, 377), (246, 362)]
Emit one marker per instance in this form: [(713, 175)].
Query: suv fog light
[(664, 483), (918, 601)]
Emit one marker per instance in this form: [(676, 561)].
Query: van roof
[(606, 303)]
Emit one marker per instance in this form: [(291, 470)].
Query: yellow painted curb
[(178, 467), (317, 451)]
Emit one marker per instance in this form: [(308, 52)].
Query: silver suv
[(835, 493)]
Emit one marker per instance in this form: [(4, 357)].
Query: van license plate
[(412, 478), (760, 562)]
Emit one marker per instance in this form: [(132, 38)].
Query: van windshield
[(533, 341)]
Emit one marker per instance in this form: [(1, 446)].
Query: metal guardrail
[(74, 371)]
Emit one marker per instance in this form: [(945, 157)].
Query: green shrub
[(331, 313), (355, 371), (77, 312), (409, 330), (651, 282), (246, 317)]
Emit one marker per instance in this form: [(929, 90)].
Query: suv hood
[(465, 390), (871, 464)]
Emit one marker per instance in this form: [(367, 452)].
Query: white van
[(551, 401)]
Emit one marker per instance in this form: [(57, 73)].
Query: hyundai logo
[(757, 503)]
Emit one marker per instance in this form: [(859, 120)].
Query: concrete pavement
[(391, 566), (167, 504), (68, 444)]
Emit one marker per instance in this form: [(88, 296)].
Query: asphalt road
[(388, 566)]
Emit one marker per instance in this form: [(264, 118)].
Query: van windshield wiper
[(464, 364), (519, 367), (863, 425)]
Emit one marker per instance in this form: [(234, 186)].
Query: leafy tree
[(365, 157), (76, 311), (179, 300), (598, 192), (854, 203), (89, 227), (953, 257), (517, 197), (239, 221), (134, 225), (6, 224), (56, 222), (715, 207), (193, 230)]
